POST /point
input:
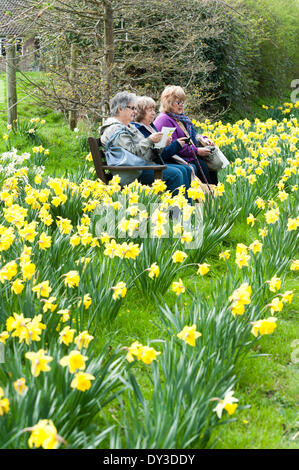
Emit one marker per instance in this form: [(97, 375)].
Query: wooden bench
[(100, 164)]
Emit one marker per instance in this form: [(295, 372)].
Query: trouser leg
[(172, 176), (186, 173)]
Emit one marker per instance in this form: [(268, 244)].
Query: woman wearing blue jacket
[(144, 118)]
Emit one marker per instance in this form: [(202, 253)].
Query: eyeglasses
[(132, 107), (179, 103)]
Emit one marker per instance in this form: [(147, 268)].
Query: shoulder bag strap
[(122, 130), (183, 128)]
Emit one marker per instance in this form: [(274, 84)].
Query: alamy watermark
[(295, 353), (295, 93), (2, 353), (150, 221), (2, 92)]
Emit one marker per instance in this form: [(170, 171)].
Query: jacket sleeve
[(142, 147), (163, 120), (172, 149), (134, 143)]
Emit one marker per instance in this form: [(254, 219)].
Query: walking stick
[(198, 165)]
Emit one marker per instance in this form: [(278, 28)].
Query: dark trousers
[(174, 176)]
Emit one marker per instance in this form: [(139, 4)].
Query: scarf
[(184, 119)]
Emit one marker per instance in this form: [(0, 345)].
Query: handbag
[(216, 160), (119, 156)]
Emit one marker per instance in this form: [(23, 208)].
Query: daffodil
[(39, 362), (276, 305), (83, 339), (75, 240), (224, 254), (239, 298), (72, 279), (32, 330), (44, 241), (179, 256), (272, 216), (134, 350), (66, 335), (20, 386), (189, 335), (28, 270), (242, 259), (44, 434), (49, 304), (178, 287), (17, 286), (3, 337), (120, 290), (87, 301), (251, 220), (264, 327), (148, 355), (255, 246), (228, 403), (65, 312), (274, 284), (295, 265), (154, 270), (74, 361), (186, 237), (64, 225), (263, 232), (287, 297), (203, 269), (16, 323), (293, 224), (4, 406), (42, 290), (82, 381)]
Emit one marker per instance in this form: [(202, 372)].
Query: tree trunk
[(73, 112), (11, 83), (108, 57)]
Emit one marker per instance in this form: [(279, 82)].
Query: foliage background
[(227, 56)]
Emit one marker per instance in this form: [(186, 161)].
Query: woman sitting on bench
[(145, 115), (123, 109)]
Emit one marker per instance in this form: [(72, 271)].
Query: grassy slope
[(64, 145), (269, 384)]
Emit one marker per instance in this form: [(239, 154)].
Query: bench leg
[(157, 174)]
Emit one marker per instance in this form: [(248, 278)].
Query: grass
[(267, 377), (67, 148), (253, 108), (269, 384)]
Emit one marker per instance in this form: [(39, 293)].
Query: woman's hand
[(156, 137), (182, 141), (204, 139), (168, 141), (203, 151)]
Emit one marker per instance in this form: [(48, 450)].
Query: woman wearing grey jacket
[(123, 108)]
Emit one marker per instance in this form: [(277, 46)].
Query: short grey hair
[(121, 100)]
